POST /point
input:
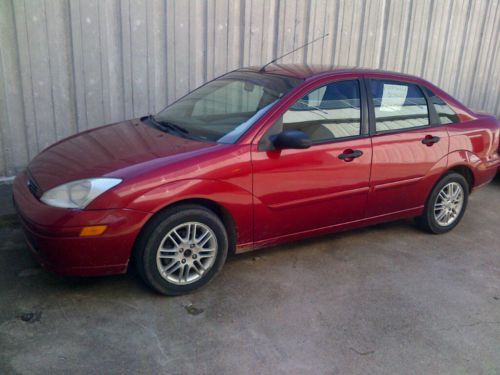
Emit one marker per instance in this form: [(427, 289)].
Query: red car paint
[(265, 197)]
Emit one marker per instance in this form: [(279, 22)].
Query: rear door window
[(398, 105)]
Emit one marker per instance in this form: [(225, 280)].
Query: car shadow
[(403, 225), (34, 280), (496, 180)]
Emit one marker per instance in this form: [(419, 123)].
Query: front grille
[(33, 186)]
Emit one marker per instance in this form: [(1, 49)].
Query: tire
[(186, 262), (432, 219)]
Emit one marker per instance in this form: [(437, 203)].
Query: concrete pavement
[(387, 299)]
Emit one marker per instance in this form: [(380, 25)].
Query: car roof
[(306, 71)]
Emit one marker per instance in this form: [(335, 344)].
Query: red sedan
[(253, 158)]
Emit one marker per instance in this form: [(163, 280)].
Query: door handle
[(429, 140), (350, 155)]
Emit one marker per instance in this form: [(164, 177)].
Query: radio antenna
[(263, 69)]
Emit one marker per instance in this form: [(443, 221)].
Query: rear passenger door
[(410, 146)]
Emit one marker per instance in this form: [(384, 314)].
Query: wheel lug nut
[(181, 250), (192, 246), (183, 261), (194, 256)]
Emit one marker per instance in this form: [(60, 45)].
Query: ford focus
[(251, 159)]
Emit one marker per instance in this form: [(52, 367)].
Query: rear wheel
[(446, 204), (181, 249)]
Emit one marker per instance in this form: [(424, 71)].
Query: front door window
[(328, 113)]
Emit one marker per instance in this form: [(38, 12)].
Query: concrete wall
[(66, 66)]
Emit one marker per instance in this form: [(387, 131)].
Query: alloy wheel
[(449, 204), (186, 253)]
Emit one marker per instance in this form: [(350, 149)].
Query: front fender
[(236, 200)]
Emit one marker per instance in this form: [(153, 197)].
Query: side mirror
[(291, 139)]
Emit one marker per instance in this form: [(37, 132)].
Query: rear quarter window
[(445, 114)]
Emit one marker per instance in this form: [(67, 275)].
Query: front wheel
[(181, 249), (446, 204)]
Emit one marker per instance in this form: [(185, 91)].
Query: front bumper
[(53, 235)]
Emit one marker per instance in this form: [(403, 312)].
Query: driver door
[(302, 190)]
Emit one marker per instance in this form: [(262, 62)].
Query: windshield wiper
[(171, 127), (168, 125)]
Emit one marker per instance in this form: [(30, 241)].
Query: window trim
[(263, 145), (371, 108)]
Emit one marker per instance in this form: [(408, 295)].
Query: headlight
[(78, 194)]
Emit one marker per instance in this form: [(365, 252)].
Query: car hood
[(107, 151)]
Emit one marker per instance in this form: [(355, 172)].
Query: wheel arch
[(427, 220), (461, 169), (219, 210), (466, 172)]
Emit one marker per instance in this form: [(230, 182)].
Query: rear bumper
[(53, 235), (484, 173)]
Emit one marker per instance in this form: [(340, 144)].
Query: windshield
[(223, 109)]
